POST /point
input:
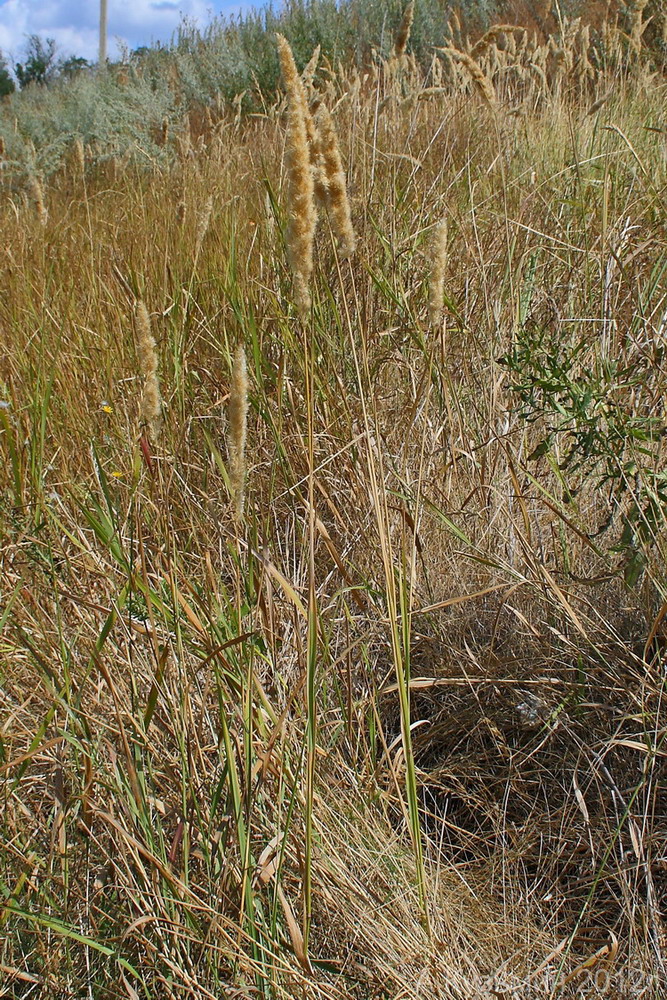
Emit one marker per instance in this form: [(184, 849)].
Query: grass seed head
[(320, 180), (482, 82), (437, 279), (310, 69), (151, 401), (481, 47), (637, 24), (37, 192), (203, 223), (403, 33), (237, 413), (79, 155), (337, 199), (300, 181)]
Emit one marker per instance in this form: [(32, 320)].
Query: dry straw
[(477, 74), (300, 183), (436, 286), (336, 187), (237, 413), (151, 401)]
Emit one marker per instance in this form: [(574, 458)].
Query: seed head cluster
[(300, 182), (403, 33), (151, 401), (437, 280), (336, 187)]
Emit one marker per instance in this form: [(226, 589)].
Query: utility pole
[(102, 61)]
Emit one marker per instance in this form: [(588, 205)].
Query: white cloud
[(74, 23)]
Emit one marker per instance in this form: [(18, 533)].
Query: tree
[(71, 67), (7, 85), (40, 64)]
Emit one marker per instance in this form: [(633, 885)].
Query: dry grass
[(403, 736)]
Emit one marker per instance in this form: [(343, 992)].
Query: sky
[(74, 23)]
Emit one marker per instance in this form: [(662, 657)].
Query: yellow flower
[(116, 475), (107, 408)]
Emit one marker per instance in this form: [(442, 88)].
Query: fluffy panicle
[(478, 76), (318, 166), (481, 47), (310, 68), (79, 155), (185, 139), (637, 24), (403, 33), (203, 222), (237, 413), (37, 192), (585, 70), (436, 286), (151, 401), (337, 200), (300, 184)]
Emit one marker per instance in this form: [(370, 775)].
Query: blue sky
[(74, 23)]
